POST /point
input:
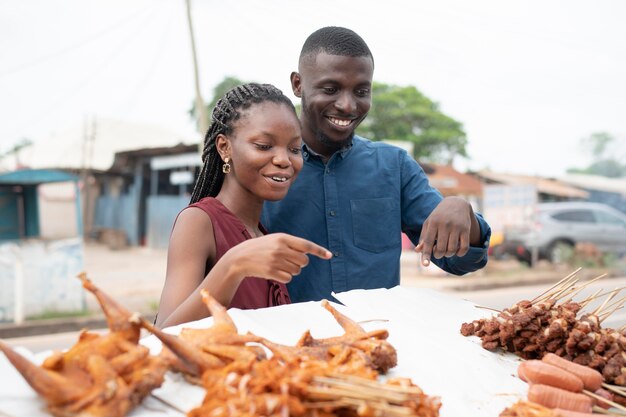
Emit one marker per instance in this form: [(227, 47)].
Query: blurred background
[(512, 105)]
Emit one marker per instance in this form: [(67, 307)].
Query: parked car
[(558, 227)]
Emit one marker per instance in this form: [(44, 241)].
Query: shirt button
[(336, 254), (332, 212), (328, 170)]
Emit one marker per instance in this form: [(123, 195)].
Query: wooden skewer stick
[(606, 315), (620, 302), (615, 388), (586, 284), (555, 285), (601, 398), (566, 292), (601, 410), (169, 404), (488, 308), (372, 321), (557, 293), (376, 384), (597, 295), (341, 390), (609, 298), (357, 402), (589, 299)]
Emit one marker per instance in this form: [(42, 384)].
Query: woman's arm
[(191, 247), (275, 256)]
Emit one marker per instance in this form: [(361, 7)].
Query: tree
[(398, 113), (606, 153), (218, 91), (404, 113)]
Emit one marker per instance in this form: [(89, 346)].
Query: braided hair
[(227, 111)]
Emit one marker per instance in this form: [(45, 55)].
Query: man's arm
[(446, 230)]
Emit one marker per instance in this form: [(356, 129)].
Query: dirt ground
[(134, 276)]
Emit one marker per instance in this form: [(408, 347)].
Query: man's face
[(336, 96)]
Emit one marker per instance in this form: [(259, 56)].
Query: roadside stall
[(396, 352), (423, 327)]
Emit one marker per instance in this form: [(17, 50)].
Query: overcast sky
[(528, 79)]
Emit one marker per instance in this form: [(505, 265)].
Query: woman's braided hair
[(226, 112)]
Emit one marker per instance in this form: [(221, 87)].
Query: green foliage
[(404, 113), (218, 91), (607, 154), (398, 113), (221, 89), (54, 314)]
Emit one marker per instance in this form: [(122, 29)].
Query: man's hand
[(449, 230)]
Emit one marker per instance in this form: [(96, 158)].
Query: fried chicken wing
[(102, 374), (195, 351)]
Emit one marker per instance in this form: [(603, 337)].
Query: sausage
[(552, 397), (604, 394), (559, 412), (538, 372), (591, 378), (521, 371)]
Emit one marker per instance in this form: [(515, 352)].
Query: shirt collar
[(308, 152)]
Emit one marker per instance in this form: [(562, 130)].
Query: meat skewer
[(553, 323)]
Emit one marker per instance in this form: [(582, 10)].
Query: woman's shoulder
[(193, 218)]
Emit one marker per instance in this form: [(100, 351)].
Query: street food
[(274, 387), (102, 374), (527, 409), (553, 397), (590, 378), (539, 372), (553, 323), (315, 377), (243, 374)]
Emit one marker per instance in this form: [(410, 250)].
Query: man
[(355, 197)]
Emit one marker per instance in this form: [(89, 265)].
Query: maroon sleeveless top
[(230, 231)]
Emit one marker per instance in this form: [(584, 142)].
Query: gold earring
[(226, 166)]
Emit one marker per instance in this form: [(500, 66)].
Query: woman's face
[(264, 151)]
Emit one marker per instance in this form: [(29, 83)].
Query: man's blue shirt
[(357, 205)]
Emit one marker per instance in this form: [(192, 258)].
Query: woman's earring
[(226, 166)]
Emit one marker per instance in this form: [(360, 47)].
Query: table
[(423, 326)]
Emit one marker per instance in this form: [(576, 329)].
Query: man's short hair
[(335, 40)]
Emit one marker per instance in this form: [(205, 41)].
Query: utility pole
[(201, 113), (15, 150), (89, 138)]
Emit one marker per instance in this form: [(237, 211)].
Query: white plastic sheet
[(424, 326)]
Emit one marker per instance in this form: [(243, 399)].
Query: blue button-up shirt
[(357, 205)]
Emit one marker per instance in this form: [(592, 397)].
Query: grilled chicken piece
[(382, 355), (102, 374), (195, 351)]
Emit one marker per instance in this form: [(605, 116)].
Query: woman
[(251, 154)]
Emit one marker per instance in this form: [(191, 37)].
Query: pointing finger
[(306, 246), (427, 241)]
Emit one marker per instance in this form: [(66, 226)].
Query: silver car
[(558, 227)]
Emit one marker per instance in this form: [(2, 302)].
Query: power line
[(57, 104), (71, 47)]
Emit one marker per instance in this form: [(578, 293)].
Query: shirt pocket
[(375, 224)]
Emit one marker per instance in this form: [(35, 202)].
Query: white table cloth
[(424, 326)]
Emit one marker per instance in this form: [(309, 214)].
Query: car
[(556, 228)]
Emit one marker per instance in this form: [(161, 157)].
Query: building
[(41, 245)]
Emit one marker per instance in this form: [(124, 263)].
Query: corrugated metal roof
[(35, 177), (596, 182), (449, 181), (544, 185)]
